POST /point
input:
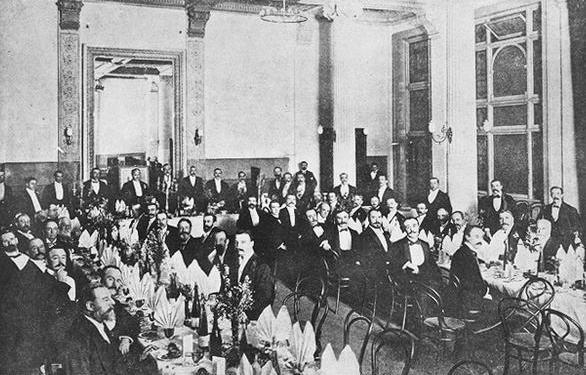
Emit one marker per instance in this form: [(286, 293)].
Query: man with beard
[(315, 246), (271, 236), (217, 190), (308, 177), (22, 223), (393, 220), (90, 349), (374, 244), (455, 237), (241, 191), (56, 267), (31, 306), (303, 192), (490, 207), (36, 251), (287, 187), (207, 240), (442, 226), (504, 242), (223, 254), (250, 216), (147, 221), (276, 184), (189, 250)]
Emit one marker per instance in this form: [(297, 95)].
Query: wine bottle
[(203, 333), (173, 291), (195, 308), (215, 339)]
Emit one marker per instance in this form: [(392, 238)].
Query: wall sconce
[(99, 86), (444, 133), (486, 125), (327, 131), (197, 138), (365, 131), (68, 133)]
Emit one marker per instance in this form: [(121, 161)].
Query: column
[(186, 151), (461, 105), (558, 127), (69, 89), (326, 105)]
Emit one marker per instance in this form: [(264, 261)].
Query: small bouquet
[(153, 255), (232, 303)]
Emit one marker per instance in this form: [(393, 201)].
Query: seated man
[(393, 221), (454, 239), (357, 213), (223, 255), (314, 247), (22, 224), (189, 250), (548, 245), (410, 257), (374, 248), (56, 267), (344, 244), (36, 251), (271, 240), (261, 280), (504, 242), (249, 216), (465, 266)]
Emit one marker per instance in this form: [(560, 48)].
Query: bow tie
[(555, 206), (496, 196), (344, 230), (413, 243)]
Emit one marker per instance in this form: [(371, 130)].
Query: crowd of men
[(53, 313)]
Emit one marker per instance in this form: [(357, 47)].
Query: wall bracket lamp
[(444, 133)]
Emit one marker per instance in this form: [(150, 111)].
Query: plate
[(149, 335), (165, 356)]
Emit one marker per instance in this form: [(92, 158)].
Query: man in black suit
[(383, 191), (309, 177), (423, 217), (261, 280), (436, 198), (371, 177), (442, 226), (95, 188), (345, 191), (288, 187), (249, 216), (30, 202), (217, 190), (344, 241), (314, 247), (374, 249), (135, 190), (276, 184), (565, 219), (57, 193), (291, 222), (411, 257), (90, 349), (491, 206), (271, 235), (23, 232), (549, 245), (240, 192), (207, 240), (192, 187), (6, 199)]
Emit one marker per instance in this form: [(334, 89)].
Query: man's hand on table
[(124, 345)]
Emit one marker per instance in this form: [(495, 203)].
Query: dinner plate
[(149, 335), (165, 356)]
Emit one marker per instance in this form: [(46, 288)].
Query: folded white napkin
[(347, 364), (167, 313), (271, 328), (303, 344)]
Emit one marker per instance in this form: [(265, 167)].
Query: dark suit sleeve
[(263, 293)]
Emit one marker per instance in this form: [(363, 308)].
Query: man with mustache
[(190, 252), (490, 207), (374, 244), (207, 240), (22, 224), (56, 264), (504, 242), (250, 216), (565, 219)]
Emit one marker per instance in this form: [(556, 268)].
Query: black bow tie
[(413, 242), (344, 230), (496, 196), (555, 206)]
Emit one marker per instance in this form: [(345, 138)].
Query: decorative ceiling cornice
[(69, 11)]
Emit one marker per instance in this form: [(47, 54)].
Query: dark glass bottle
[(215, 339), (195, 308), (203, 332), (173, 290)]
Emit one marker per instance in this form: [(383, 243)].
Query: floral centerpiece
[(154, 256)]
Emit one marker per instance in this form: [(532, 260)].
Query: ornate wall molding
[(69, 11), (195, 97)]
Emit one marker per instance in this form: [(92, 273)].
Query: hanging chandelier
[(283, 14)]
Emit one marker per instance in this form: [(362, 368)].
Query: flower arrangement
[(153, 255), (232, 303)]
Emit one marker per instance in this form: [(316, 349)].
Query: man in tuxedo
[(314, 247), (375, 244), (91, 349), (56, 267), (23, 232), (423, 218), (436, 198), (189, 249), (491, 206), (147, 221), (465, 266), (135, 190), (565, 219), (357, 213), (217, 190), (383, 191), (411, 257), (548, 245), (95, 188), (276, 184), (345, 191), (504, 242), (30, 203), (287, 187), (57, 193), (371, 177), (343, 241), (207, 240), (192, 187), (6, 200), (271, 235), (250, 268), (250, 216), (308, 176), (291, 222)]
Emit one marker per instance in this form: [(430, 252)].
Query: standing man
[(216, 189), (371, 177), (30, 202), (241, 190), (286, 187), (276, 184), (95, 187), (383, 191), (565, 219), (490, 207), (135, 190), (271, 235), (5, 200), (57, 193), (436, 198), (192, 187), (290, 221), (345, 191), (250, 216), (309, 177)]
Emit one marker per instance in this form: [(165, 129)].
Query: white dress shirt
[(218, 184), (373, 174), (432, 195), (417, 255), (34, 199), (555, 212), (291, 212), (2, 191), (243, 261), (58, 191), (137, 188), (344, 190), (100, 327), (96, 186), (318, 230), (68, 280), (20, 260), (192, 180), (286, 189), (381, 193), (254, 216), (345, 239), (497, 202)]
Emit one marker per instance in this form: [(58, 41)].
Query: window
[(508, 101)]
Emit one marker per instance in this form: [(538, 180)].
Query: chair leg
[(534, 363), (337, 298), (519, 355), (507, 360), (404, 314)]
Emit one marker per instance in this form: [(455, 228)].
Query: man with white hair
[(549, 245), (504, 242)]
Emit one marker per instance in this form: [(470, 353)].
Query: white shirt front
[(381, 193), (2, 191), (497, 203), (192, 180), (373, 174), (254, 216), (420, 218), (242, 186), (286, 189), (417, 255), (381, 237), (218, 184), (137, 188), (20, 261), (555, 213), (100, 327), (68, 280), (58, 191), (243, 261), (291, 212), (34, 199), (344, 190), (96, 186), (345, 240), (432, 195)]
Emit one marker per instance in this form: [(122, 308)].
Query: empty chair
[(470, 368), (567, 337), (539, 292), (398, 346)]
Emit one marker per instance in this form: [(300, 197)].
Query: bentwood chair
[(539, 292), (470, 368), (402, 299), (523, 333), (563, 332), (342, 282), (398, 347)]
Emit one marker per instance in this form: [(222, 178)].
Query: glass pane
[(481, 75), (510, 72), (418, 61), (538, 114), (482, 147), (480, 33), (481, 115), (537, 69), (511, 115), (537, 19), (418, 110), (510, 162), (510, 27), (537, 165)]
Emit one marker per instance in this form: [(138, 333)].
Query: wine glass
[(169, 332)]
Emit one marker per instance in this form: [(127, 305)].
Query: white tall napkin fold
[(271, 328), (167, 313), (303, 344), (87, 241), (111, 257), (347, 364), (571, 266), (207, 284)]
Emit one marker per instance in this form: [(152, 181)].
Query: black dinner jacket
[(215, 196), (369, 181), (442, 200), (490, 216), (262, 285), (427, 223), (129, 193), (26, 204), (371, 250), (143, 228), (465, 267), (185, 189), (334, 239), (359, 215), (270, 235), (388, 193), (208, 244), (351, 192), (89, 354), (400, 254), (244, 221), (568, 222), (550, 250), (194, 251), (274, 189), (88, 193), (291, 232), (49, 197)]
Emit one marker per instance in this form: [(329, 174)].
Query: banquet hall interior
[(292, 187)]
